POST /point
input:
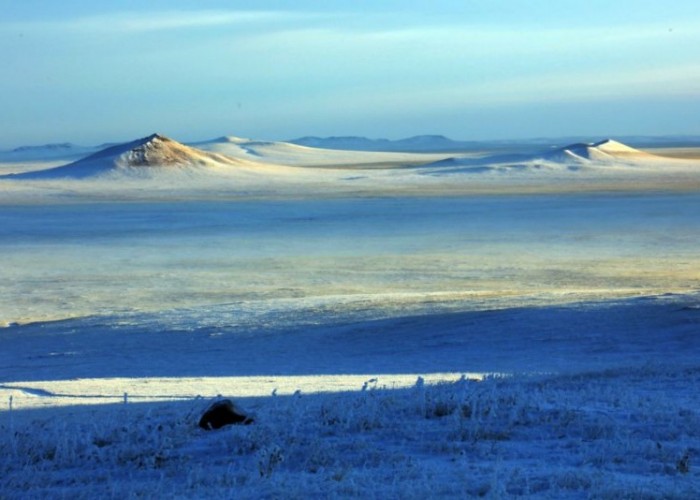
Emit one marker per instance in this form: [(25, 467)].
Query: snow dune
[(285, 153)]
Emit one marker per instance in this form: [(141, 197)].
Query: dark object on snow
[(222, 413), (683, 464)]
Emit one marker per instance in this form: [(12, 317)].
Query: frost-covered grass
[(617, 433)]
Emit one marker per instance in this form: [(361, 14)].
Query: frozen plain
[(317, 297)]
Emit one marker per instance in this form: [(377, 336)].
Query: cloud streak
[(144, 22)]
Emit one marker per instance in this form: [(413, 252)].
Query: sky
[(90, 72)]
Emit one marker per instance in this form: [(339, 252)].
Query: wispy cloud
[(183, 20), (454, 43), (142, 22)]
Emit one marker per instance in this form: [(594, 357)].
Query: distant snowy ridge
[(440, 143), (223, 139), (238, 147), (604, 153), (417, 143), (310, 155)]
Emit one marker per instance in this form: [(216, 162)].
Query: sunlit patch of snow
[(85, 391)]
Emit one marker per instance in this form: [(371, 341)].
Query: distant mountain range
[(44, 152), (63, 146)]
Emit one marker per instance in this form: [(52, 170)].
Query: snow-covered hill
[(606, 151), (154, 151)]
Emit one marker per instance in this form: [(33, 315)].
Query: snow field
[(631, 432)]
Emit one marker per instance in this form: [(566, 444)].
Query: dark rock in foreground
[(221, 413)]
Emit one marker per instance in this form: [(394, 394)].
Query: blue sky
[(90, 72)]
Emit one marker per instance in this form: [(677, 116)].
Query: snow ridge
[(418, 143)]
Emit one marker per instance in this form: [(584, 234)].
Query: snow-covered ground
[(534, 333), (628, 433)]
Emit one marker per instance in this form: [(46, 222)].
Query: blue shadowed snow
[(226, 342)]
